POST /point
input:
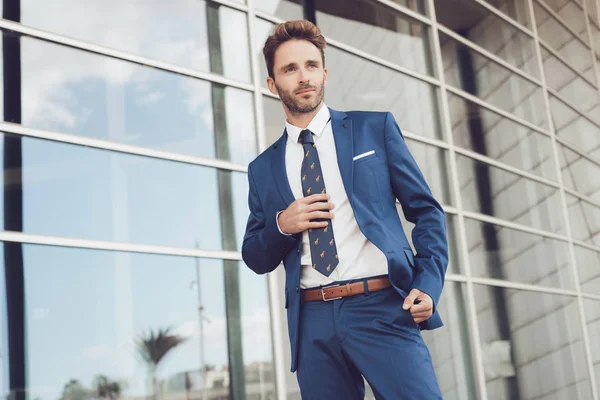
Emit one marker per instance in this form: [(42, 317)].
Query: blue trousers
[(366, 335)]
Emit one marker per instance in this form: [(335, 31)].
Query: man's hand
[(422, 311), (298, 216)]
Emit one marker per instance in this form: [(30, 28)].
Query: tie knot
[(306, 137)]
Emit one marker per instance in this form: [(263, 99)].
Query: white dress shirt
[(358, 258)]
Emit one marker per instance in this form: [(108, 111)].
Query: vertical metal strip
[(563, 199), (464, 251), (274, 287), (16, 358), (595, 66)]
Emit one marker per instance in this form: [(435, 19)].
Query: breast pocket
[(366, 181)]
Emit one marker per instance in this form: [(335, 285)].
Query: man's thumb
[(408, 302)]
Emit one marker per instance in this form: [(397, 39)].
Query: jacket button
[(297, 289)]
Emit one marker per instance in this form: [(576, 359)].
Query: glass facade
[(125, 134)]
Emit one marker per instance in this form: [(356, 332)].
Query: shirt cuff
[(277, 222)]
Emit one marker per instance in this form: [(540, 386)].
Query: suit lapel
[(280, 171), (344, 147)]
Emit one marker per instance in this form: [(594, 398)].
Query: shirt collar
[(316, 126)]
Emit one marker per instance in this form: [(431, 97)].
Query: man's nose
[(303, 78)]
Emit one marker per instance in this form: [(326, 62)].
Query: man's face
[(299, 77)]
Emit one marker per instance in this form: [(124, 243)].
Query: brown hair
[(292, 30)]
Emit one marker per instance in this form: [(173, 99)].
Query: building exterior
[(126, 131)]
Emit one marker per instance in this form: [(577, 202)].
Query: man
[(323, 200)]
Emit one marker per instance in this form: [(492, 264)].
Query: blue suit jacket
[(372, 184)]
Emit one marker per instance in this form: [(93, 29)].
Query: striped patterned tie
[(322, 243)]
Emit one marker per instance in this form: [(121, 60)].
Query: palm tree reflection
[(153, 348)]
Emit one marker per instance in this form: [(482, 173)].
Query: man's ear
[(324, 75), (271, 86)]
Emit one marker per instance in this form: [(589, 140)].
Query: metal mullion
[(583, 197), (120, 147), (267, 92), (491, 107), (565, 211), (397, 7), (489, 55), (471, 309), (120, 55), (425, 140), (450, 209), (586, 245), (578, 151), (590, 296), (268, 17), (406, 11), (505, 167), (566, 103), (275, 293), (380, 61), (595, 65), (366, 56), (19, 237), (513, 225), (231, 4), (524, 286), (505, 17), (567, 64), (456, 278), (560, 20)]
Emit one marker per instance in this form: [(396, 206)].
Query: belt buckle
[(323, 293)]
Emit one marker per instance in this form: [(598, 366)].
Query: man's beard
[(295, 106)]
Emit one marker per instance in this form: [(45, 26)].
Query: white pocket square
[(368, 153)]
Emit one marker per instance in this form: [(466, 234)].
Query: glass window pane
[(585, 220), (575, 128), (262, 31), (283, 9), (470, 71), (486, 29), (596, 38), (455, 266), (75, 191), (502, 253), (588, 264), (562, 40), (481, 130), (274, 119), (415, 5), (81, 93), (592, 11), (499, 193), (520, 362), (379, 30), (433, 163), (571, 12), (579, 173), (592, 313), (574, 89), (516, 9), (185, 33), (116, 300), (357, 84), (449, 347)]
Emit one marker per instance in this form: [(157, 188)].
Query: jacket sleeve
[(420, 208), (264, 246)]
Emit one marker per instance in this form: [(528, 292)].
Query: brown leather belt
[(335, 292)]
